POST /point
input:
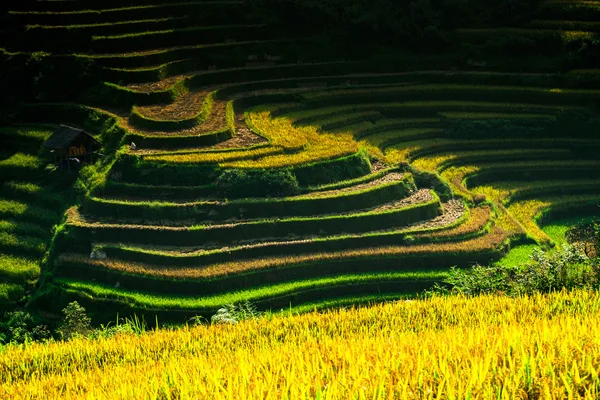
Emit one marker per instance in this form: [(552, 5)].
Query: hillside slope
[(248, 161)]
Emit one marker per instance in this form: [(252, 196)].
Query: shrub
[(588, 236), (19, 327), (75, 323), (565, 268), (238, 183)]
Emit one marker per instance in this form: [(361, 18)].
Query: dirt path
[(185, 106), (388, 178), (158, 86), (453, 210)]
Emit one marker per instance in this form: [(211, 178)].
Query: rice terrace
[(290, 199)]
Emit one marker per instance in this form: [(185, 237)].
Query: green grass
[(565, 25), (557, 229), (26, 133), (444, 160), (446, 108), (517, 255), (517, 190), (491, 115), (151, 34), (388, 138), (324, 243), (516, 93)]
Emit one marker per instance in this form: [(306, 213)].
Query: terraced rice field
[(29, 208), (363, 182)]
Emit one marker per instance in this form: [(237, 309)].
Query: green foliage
[(422, 21), (565, 268), (19, 327), (588, 235), (10, 293), (565, 124), (238, 183), (75, 323)]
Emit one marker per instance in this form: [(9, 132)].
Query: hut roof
[(62, 138)]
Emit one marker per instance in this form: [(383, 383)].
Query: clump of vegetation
[(240, 183), (565, 268), (587, 236), (76, 322), (420, 21), (19, 327), (234, 313)]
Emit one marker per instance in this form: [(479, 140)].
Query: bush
[(236, 183), (565, 268), (75, 323), (588, 236), (19, 327)]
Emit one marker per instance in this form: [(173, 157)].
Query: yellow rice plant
[(497, 195), (432, 163), (305, 142), (479, 217), (215, 156), (398, 155), (489, 347), (455, 176), (280, 131), (524, 212)]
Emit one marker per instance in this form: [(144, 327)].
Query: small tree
[(588, 235), (75, 323)]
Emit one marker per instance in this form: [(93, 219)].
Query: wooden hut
[(69, 144)]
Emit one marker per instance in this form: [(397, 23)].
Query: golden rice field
[(488, 347)]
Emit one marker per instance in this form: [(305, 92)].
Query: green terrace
[(31, 203), (575, 10), (396, 258), (135, 41), (171, 307), (87, 13), (368, 195), (420, 206), (454, 224)]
